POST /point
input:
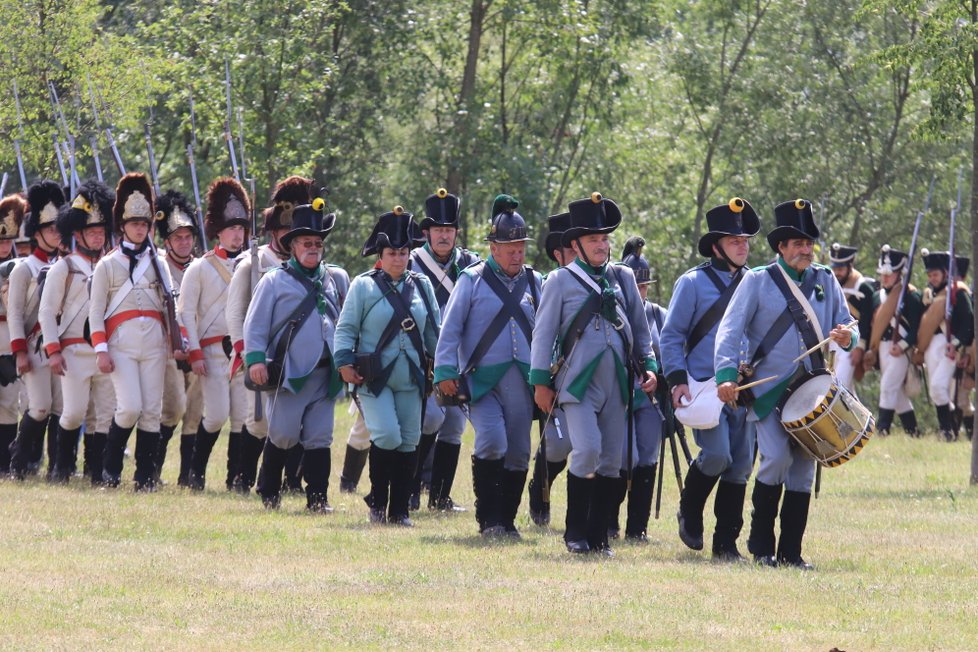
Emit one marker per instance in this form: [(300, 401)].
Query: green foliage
[(668, 107)]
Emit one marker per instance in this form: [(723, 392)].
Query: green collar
[(593, 271), (494, 266), (792, 274)]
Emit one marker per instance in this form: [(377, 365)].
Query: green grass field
[(893, 537)]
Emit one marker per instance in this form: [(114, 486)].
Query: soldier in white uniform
[(201, 308), (182, 398), (127, 317), (23, 300), (289, 193), (63, 316), (12, 210)]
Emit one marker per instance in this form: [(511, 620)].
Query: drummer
[(699, 299), (776, 337)]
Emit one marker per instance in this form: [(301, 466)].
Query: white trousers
[(85, 389), (940, 371), (138, 351)]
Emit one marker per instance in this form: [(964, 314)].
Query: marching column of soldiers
[(101, 334)]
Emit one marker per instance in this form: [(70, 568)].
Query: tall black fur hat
[(174, 211), (92, 206), (227, 205), (44, 198)]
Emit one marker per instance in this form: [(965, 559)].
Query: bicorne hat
[(395, 229), (793, 219), (736, 217)]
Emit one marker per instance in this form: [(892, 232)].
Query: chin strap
[(723, 254)]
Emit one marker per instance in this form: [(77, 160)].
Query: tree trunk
[(459, 153), (974, 209)]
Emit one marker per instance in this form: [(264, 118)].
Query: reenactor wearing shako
[(592, 311), (127, 317), (699, 299), (12, 210), (387, 332), (647, 418), (182, 400), (893, 353), (63, 315), (201, 309), (936, 347), (277, 219), (442, 262), (288, 336), (484, 354), (548, 464), (859, 292), (769, 313), (23, 301)]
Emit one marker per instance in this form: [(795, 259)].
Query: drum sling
[(715, 312)]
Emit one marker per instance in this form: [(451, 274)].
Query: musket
[(255, 271), (169, 299), (110, 138), (951, 270), (20, 127), (228, 136), (93, 139), (3, 183), (153, 172), (69, 142), (191, 159), (910, 256), (61, 161)]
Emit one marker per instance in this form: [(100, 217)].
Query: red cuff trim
[(239, 347), (98, 337), (18, 345), (196, 355), (52, 348)]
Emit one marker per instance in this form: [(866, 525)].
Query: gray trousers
[(597, 424), (448, 422), (647, 437), (782, 461), (306, 417), (502, 419), (558, 440), (728, 449)]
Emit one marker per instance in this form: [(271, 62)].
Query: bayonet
[(910, 256), (193, 177), (20, 127), (228, 136)]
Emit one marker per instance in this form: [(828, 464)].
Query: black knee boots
[(728, 507), (696, 490), (203, 445), (166, 434), (909, 421), (24, 449), (884, 422), (317, 463), (405, 466), (425, 445), (761, 540), (443, 467), (186, 459), (115, 450), (381, 473), (251, 448), (67, 454), (512, 494), (353, 464), (270, 477), (147, 449), (487, 483), (234, 460), (579, 494), (794, 519), (543, 472), (640, 502)]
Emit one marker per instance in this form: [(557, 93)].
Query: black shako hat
[(936, 260), (556, 225), (441, 209), (891, 260), (841, 255), (631, 256), (736, 217), (594, 215), (395, 229), (961, 265), (793, 219), (308, 219)]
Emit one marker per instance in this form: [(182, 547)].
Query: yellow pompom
[(800, 203), (398, 210), (82, 204), (160, 216), (736, 204), (318, 204), (596, 197), (442, 193)]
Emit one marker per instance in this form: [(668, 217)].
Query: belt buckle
[(618, 325), (407, 324)]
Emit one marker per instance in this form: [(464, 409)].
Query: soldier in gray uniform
[(594, 311), (484, 347), (548, 464), (646, 415), (442, 262), (699, 299), (288, 335)]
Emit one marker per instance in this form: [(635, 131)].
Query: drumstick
[(755, 383), (822, 343)]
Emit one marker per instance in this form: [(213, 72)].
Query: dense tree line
[(668, 107)]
